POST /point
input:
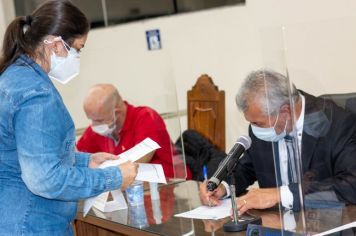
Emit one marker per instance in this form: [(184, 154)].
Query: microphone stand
[(239, 223)]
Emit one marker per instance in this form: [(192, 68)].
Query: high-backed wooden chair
[(206, 111)]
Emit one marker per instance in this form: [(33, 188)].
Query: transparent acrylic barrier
[(178, 155), (319, 58), (150, 86)]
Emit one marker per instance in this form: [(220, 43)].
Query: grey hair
[(269, 88)]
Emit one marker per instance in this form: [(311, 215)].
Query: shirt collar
[(300, 121)]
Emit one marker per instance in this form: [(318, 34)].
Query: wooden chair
[(206, 111)]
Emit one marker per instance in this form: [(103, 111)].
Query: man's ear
[(117, 108), (117, 111), (285, 109), (120, 107)]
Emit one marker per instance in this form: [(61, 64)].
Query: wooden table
[(157, 217)]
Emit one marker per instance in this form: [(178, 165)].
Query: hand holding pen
[(207, 197), (205, 174)]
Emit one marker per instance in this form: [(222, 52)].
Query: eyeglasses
[(66, 45)]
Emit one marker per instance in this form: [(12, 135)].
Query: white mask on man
[(269, 134), (105, 129)]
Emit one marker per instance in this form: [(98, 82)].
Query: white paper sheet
[(117, 203), (151, 173), (209, 213), (133, 154), (120, 216)]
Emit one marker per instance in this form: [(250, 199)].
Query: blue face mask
[(268, 134)]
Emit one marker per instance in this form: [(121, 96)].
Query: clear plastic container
[(134, 194)]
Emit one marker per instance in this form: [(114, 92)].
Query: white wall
[(7, 13), (319, 40)]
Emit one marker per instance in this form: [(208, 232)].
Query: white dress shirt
[(286, 194)]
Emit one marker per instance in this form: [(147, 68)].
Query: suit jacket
[(328, 154)]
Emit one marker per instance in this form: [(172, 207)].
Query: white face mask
[(269, 134), (64, 69), (104, 129)]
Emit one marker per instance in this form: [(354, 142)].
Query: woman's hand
[(98, 158), (128, 172)]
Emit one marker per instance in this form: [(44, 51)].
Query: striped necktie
[(292, 162)]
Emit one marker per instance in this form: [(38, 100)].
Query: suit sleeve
[(244, 174), (342, 163), (333, 170)]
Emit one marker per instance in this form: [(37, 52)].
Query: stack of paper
[(209, 213)]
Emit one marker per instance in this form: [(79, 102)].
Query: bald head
[(101, 101)]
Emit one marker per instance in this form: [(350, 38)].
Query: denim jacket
[(41, 175)]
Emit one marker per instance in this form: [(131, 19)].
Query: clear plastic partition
[(306, 122), (162, 97), (172, 120), (150, 86)]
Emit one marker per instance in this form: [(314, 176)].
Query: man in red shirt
[(118, 126)]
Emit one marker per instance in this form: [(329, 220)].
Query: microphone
[(242, 144)]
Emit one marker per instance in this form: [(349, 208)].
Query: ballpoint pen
[(205, 173)]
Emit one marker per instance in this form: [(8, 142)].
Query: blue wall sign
[(153, 38)]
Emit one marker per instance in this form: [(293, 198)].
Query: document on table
[(151, 174), (209, 213)]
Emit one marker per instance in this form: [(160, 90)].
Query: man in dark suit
[(323, 136)]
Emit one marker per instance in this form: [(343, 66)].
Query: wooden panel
[(85, 229), (206, 111), (93, 226)]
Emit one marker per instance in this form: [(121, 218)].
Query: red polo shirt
[(140, 123)]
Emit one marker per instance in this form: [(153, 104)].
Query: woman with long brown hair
[(41, 175)]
